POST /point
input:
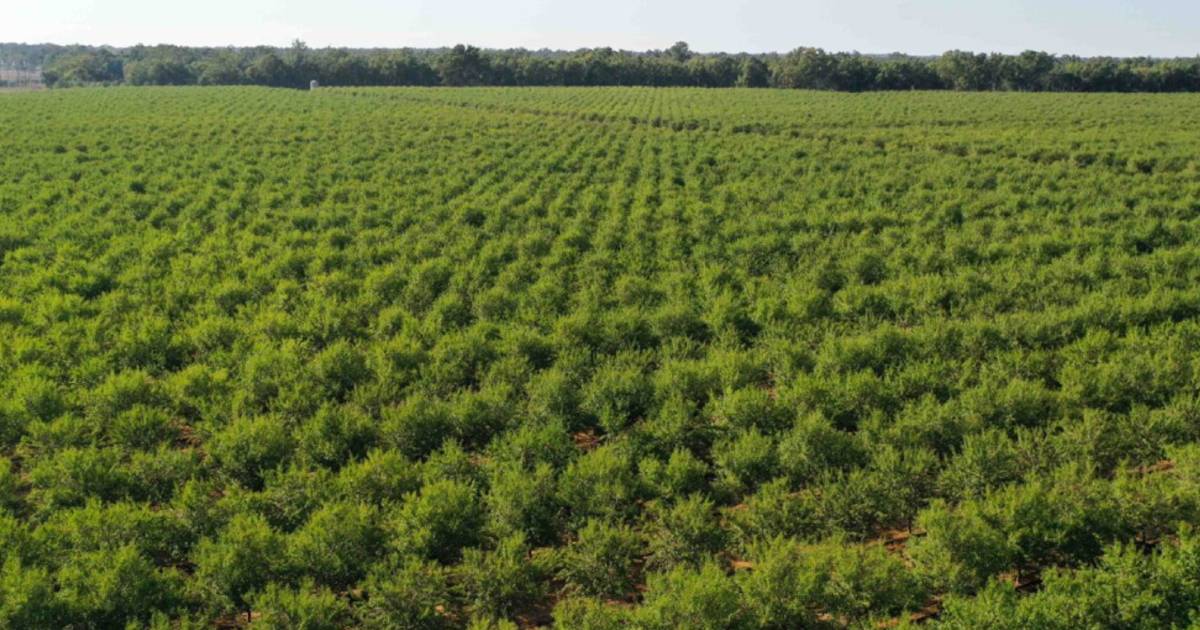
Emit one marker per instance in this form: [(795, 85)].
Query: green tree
[(701, 598), (600, 561), (753, 73), (439, 521), (239, 562), (463, 65), (307, 608)]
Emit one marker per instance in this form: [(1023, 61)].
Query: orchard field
[(598, 358)]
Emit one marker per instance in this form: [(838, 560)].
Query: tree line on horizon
[(677, 66)]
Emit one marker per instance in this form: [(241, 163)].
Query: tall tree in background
[(269, 69), (680, 51), (223, 68), (1026, 72), (968, 71), (754, 73), (96, 66), (463, 65), (806, 68)]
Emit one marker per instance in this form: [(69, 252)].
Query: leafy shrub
[(523, 501), (750, 407), (814, 447), (746, 460), (337, 545), (413, 594), (588, 614), (678, 424), (500, 582), (239, 562), (600, 562), (866, 580), (159, 535), (417, 427), (618, 394), (336, 435), (75, 475), (557, 396), (961, 550), (478, 416), (784, 589), (143, 428), (533, 443), (28, 599), (694, 598), (774, 511), (987, 461), (600, 484), (249, 448), (686, 532), (122, 391), (681, 475), (439, 521), (306, 608), (115, 587), (10, 499), (450, 462), (381, 478)]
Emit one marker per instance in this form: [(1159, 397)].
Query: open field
[(607, 357)]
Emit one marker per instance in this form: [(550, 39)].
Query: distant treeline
[(808, 68)]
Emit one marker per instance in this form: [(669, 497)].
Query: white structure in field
[(312, 85)]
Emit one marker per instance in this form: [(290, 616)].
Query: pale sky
[(1084, 27)]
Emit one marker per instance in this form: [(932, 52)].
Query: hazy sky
[(1085, 27)]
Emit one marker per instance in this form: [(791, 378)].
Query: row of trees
[(437, 358), (806, 68)]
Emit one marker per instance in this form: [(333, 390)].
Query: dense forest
[(431, 358), (805, 68)]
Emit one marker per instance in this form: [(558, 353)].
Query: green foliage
[(143, 428), (686, 532), (28, 599), (381, 478), (866, 580), (987, 460), (600, 484), (694, 598), (774, 511), (438, 522), (240, 561), (306, 608), (336, 435), (1125, 589), (814, 446), (523, 501), (114, 587), (783, 590), (77, 474), (617, 395), (588, 614), (961, 550), (249, 448), (600, 561), (337, 545), (10, 486), (500, 582), (417, 427), (682, 474), (413, 594), (745, 460), (440, 358)]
